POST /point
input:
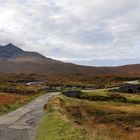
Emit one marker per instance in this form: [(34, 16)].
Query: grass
[(129, 98), (15, 94), (97, 92), (10, 102), (56, 125), (114, 120), (76, 119)]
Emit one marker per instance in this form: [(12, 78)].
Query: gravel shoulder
[(21, 124)]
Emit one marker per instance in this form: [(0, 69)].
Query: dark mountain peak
[(11, 51), (11, 47), (16, 60), (10, 44)]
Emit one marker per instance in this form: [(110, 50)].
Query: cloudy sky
[(90, 32)]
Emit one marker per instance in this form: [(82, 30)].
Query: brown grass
[(6, 99), (116, 121)]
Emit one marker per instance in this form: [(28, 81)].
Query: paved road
[(21, 124), (132, 82)]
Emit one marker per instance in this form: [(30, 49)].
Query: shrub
[(72, 93), (79, 94), (117, 98)]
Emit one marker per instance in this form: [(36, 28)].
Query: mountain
[(10, 51), (16, 60)]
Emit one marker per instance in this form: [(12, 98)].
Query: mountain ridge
[(11, 51), (16, 60)]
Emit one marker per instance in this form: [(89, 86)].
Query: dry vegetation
[(14, 92), (94, 116), (6, 99), (67, 80), (10, 102), (99, 120)]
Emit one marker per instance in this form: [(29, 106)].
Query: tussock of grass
[(10, 102), (104, 95), (57, 124), (75, 119), (54, 127), (112, 119)]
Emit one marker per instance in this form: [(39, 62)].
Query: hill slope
[(16, 60)]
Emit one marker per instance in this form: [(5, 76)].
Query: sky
[(87, 32)]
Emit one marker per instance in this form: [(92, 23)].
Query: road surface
[(132, 82), (21, 124)]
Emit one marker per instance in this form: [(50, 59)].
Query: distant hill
[(10, 51), (16, 60)]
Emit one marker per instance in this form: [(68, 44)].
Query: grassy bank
[(104, 95), (76, 119), (58, 125), (14, 93), (10, 102), (55, 127)]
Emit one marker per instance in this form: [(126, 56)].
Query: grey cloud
[(71, 30)]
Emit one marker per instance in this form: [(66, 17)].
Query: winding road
[(21, 124)]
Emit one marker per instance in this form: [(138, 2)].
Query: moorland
[(90, 105)]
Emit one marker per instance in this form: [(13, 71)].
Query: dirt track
[(21, 124)]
